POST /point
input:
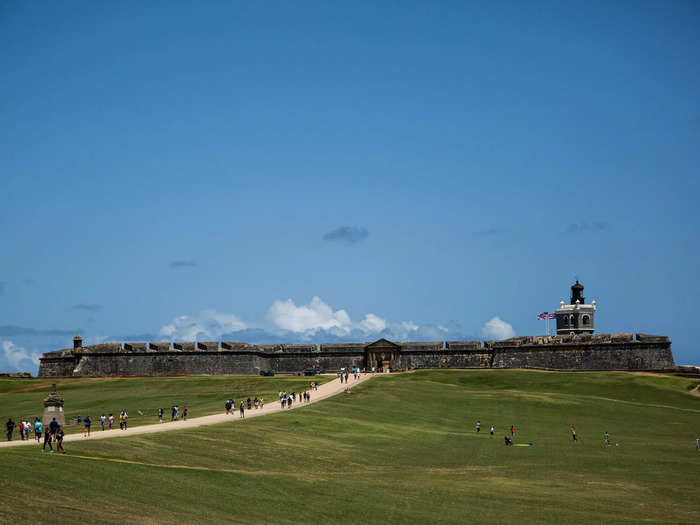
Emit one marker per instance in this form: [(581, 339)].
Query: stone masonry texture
[(567, 352)]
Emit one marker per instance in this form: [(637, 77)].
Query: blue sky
[(209, 169)]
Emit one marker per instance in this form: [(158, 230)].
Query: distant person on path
[(697, 444), (492, 430), (573, 433), (262, 403), (47, 440), (38, 429), (249, 402), (53, 427), (88, 422), (478, 427), (242, 410), (512, 430), (160, 415), (227, 406), (185, 411), (121, 420), (111, 421), (123, 417), (606, 439), (283, 401), (103, 420), (21, 430), (508, 441), (59, 440), (289, 402), (10, 427)]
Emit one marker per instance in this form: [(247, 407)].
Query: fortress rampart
[(561, 352)]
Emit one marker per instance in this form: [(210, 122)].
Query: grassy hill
[(399, 449), (203, 395)]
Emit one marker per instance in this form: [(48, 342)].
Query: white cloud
[(497, 328), (372, 323), (312, 317), (315, 319), (16, 355), (208, 324)]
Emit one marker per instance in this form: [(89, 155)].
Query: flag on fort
[(545, 315)]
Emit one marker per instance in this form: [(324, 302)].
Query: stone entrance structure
[(383, 355), (53, 408)]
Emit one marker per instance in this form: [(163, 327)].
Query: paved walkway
[(324, 391)]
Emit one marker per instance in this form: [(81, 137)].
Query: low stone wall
[(582, 352)]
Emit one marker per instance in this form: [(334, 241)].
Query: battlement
[(582, 351)]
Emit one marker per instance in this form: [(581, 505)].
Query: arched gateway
[(383, 355)]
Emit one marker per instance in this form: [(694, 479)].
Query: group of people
[(174, 413), (230, 405), (344, 375), (286, 400), (606, 436), (25, 429), (492, 431), (52, 434)]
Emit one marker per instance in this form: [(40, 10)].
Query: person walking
[(227, 406), (478, 427), (121, 420), (88, 422), (573, 433), (160, 415), (249, 403), (697, 444), (512, 430), (111, 421), (606, 439), (126, 419), (242, 410), (21, 429), (47, 440), (492, 430), (59, 440), (10, 427), (53, 426), (103, 420), (185, 411), (38, 429)]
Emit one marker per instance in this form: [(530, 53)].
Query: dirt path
[(324, 391), (695, 391)]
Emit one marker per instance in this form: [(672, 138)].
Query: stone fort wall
[(569, 352)]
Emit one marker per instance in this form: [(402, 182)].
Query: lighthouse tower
[(576, 317)]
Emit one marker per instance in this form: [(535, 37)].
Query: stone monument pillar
[(53, 408)]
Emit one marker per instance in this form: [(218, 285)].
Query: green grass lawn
[(203, 395), (398, 449)]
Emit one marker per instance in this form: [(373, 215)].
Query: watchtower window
[(585, 320), (565, 320), (571, 320)]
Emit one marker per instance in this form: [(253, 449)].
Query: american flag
[(545, 315)]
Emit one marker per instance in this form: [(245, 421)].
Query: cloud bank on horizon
[(17, 357), (285, 322)]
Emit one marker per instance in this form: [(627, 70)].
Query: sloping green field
[(203, 395), (398, 449)]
